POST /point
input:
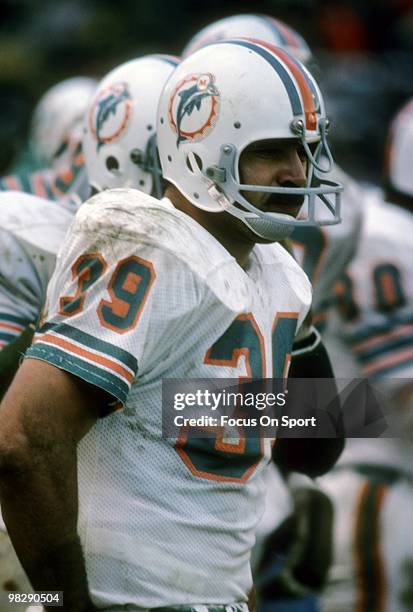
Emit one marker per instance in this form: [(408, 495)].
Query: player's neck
[(220, 225)]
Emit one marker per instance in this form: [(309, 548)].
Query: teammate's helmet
[(120, 126), (57, 119), (226, 97), (263, 27), (399, 151)]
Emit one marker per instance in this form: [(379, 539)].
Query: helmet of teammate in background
[(247, 25), (57, 120), (399, 151), (119, 140), (223, 99)]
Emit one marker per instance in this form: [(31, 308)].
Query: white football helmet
[(263, 27), (224, 98), (399, 151), (120, 126), (57, 120)]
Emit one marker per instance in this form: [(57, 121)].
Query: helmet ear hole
[(112, 164), (198, 162)]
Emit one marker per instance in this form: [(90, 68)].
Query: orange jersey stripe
[(384, 362), (401, 331), (364, 592), (12, 183), (11, 327), (38, 184), (77, 350)]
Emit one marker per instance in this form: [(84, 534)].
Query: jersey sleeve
[(21, 289), (113, 308)]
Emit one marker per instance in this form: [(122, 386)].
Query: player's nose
[(293, 169)]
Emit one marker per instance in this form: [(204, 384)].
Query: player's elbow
[(15, 462)]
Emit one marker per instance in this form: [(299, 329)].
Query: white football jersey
[(278, 506), (373, 541), (324, 252), (66, 181), (31, 232), (143, 293), (375, 296)]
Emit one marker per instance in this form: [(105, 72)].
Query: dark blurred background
[(364, 52)]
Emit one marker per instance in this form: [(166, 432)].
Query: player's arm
[(310, 456), (42, 417), (10, 357), (22, 292)]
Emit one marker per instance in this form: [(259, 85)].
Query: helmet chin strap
[(272, 229)]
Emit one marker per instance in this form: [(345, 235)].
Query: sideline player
[(158, 289), (55, 139), (32, 229), (120, 152), (372, 487)]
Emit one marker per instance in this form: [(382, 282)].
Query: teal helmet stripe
[(276, 64)]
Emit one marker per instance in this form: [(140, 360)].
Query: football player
[(119, 127), (249, 25), (55, 139), (191, 286), (32, 229), (376, 295), (322, 251), (372, 486)]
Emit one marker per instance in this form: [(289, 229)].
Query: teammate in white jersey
[(32, 229), (55, 139), (376, 295), (372, 493), (31, 232), (29, 222), (146, 290), (372, 487)]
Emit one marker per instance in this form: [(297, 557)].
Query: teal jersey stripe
[(82, 369), (12, 319), (89, 341), (392, 346), (9, 336), (369, 331)]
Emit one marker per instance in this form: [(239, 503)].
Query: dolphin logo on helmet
[(105, 108), (201, 87)]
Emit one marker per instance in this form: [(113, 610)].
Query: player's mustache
[(283, 199)]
